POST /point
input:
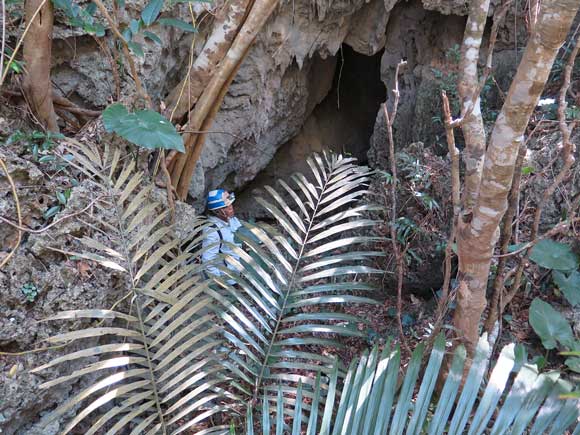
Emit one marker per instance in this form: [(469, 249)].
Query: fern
[(292, 279), (158, 366)]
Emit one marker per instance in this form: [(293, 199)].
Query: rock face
[(294, 66), (314, 79)]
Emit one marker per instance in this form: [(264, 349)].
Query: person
[(222, 228)]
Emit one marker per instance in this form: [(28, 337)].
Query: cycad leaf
[(404, 399), (427, 386), (471, 386), (164, 313)]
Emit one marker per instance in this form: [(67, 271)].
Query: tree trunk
[(182, 169), (185, 95), (37, 56), (477, 238), (468, 86)]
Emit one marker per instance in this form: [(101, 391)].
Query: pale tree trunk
[(37, 56), (202, 115), (185, 95), (468, 86), (477, 238)]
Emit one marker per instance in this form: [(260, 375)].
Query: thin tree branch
[(390, 118), (445, 300)]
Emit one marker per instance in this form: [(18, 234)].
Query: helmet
[(219, 198)]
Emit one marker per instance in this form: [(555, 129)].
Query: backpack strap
[(219, 231)]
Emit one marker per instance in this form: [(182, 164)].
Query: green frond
[(157, 353), (371, 405), (292, 279)]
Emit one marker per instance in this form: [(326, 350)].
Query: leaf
[(113, 115), (573, 364), (51, 211), (173, 22), (516, 247), (554, 255), (136, 48), (527, 170), (569, 285), (13, 371), (135, 25), (150, 13), (65, 5), (99, 30), (46, 159), (549, 324), (152, 36), (127, 34), (145, 128), (61, 198)]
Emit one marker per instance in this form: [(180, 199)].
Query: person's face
[(225, 213)]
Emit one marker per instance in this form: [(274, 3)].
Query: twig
[(20, 227), (18, 213), (390, 118), (19, 43), (112, 62)]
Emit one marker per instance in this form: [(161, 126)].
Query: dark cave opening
[(346, 117), (343, 121)]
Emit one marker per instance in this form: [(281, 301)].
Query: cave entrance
[(343, 121)]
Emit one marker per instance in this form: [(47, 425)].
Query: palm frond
[(291, 279), (515, 400), (157, 351)]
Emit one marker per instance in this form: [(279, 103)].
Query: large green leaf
[(179, 24), (145, 128), (550, 325), (150, 13), (569, 285), (554, 255)]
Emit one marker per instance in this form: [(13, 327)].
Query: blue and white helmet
[(219, 198)]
